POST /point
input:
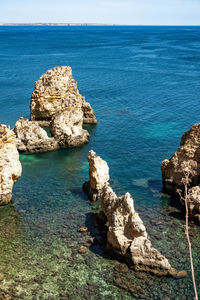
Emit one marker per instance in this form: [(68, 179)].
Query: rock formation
[(32, 138), (99, 176), (66, 127), (127, 234), (88, 113), (187, 157), (55, 91), (10, 166), (194, 202)]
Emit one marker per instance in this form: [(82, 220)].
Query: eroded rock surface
[(88, 113), (127, 234), (66, 127), (194, 202), (189, 152), (186, 157), (32, 138), (10, 166), (55, 91), (99, 176)]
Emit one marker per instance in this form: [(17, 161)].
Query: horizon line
[(84, 24)]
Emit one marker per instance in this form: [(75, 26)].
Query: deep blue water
[(153, 73)]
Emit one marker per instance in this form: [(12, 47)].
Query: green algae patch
[(39, 237)]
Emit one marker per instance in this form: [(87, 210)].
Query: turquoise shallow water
[(153, 72)]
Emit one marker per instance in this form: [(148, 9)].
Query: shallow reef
[(40, 239)]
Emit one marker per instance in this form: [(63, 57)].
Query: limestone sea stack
[(55, 91), (187, 157), (31, 138), (127, 235), (66, 127), (10, 166)]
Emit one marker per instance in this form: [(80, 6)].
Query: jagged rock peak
[(31, 138), (10, 166), (55, 91), (99, 176), (186, 158), (127, 235)]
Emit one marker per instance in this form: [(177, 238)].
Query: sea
[(143, 83)]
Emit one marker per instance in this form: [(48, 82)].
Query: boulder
[(188, 153), (127, 235), (55, 91), (66, 127), (194, 203), (186, 158), (10, 166), (32, 138)]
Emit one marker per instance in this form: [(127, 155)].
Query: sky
[(127, 12)]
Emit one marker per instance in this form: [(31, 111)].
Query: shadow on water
[(173, 204), (155, 184), (77, 191), (91, 128), (97, 234), (177, 214), (123, 277), (98, 228)]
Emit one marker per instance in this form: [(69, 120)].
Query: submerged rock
[(32, 138), (55, 91), (66, 127), (10, 166), (83, 250), (186, 157), (1, 277), (127, 235), (83, 229)]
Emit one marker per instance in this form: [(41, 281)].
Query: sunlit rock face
[(31, 138), (10, 166), (55, 91), (186, 158), (194, 202), (127, 235), (99, 176), (66, 127)]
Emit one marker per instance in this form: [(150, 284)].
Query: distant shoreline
[(88, 24), (58, 24)]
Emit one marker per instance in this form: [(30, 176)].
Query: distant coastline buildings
[(56, 24)]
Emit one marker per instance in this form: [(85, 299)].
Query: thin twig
[(186, 182)]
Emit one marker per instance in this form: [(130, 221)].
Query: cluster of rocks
[(57, 103), (65, 127), (185, 161), (32, 138), (10, 166), (126, 234)]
